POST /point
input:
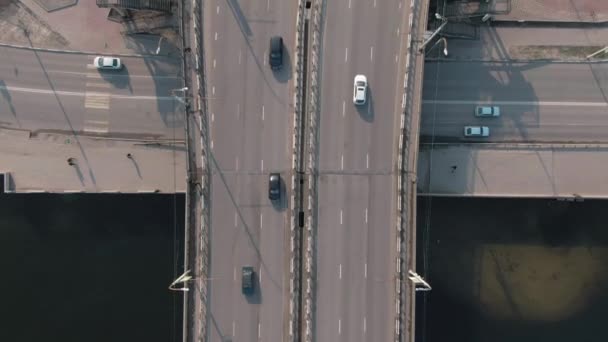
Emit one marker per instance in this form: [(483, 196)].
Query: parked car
[(487, 111), (360, 90), (107, 63), (247, 280), (476, 131), (274, 186), (275, 55)]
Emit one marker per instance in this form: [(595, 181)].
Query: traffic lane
[(355, 193), (152, 117), (224, 280), (336, 96), (53, 111), (556, 121), (235, 242), (49, 111), (272, 275), (379, 272), (72, 72), (247, 250), (538, 81), (330, 249)]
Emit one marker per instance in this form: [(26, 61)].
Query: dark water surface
[(90, 268), (526, 270)]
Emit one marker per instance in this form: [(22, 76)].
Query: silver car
[(476, 131), (360, 90), (107, 63), (487, 111)]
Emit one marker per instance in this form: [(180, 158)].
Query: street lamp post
[(444, 22), (182, 279)]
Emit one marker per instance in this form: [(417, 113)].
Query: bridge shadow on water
[(512, 270)]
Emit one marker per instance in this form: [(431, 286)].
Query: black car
[(247, 279), (274, 186), (275, 55)]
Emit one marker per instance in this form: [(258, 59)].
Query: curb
[(543, 60), (74, 52), (547, 23)]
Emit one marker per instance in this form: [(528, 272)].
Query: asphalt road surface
[(356, 198), (250, 109), (72, 96), (540, 102)]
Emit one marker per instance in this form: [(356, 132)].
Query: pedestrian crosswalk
[(97, 101)]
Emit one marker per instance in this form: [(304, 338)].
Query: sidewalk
[(492, 170), (40, 164), (549, 11), (556, 11), (506, 43), (82, 27)]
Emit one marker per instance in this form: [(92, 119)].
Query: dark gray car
[(247, 280), (275, 54), (274, 186)]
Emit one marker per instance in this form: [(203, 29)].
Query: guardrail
[(312, 110), (406, 182)]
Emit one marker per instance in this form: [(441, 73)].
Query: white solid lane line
[(521, 103)]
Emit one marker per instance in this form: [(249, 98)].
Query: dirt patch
[(20, 26), (555, 52)]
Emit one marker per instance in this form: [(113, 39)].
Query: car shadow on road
[(256, 296), (283, 202), (284, 74), (118, 78), (366, 112)]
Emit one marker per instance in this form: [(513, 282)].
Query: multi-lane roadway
[(72, 96), (357, 163), (540, 102), (250, 111)]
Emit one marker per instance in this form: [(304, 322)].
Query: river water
[(525, 270), (90, 268)]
